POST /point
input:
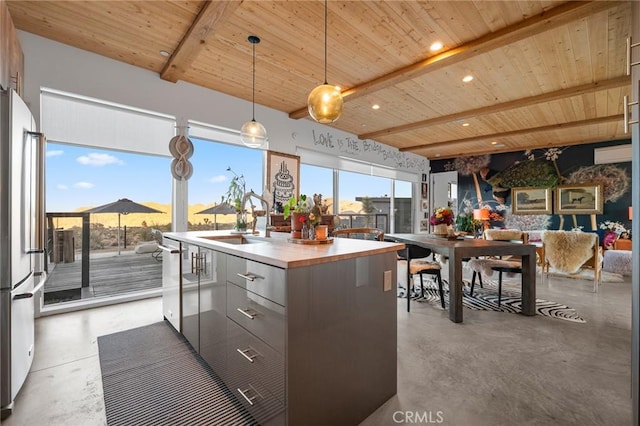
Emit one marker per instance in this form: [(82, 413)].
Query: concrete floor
[(494, 369)]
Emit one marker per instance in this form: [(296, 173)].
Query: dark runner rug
[(152, 376), (486, 299)]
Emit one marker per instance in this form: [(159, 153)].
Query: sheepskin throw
[(502, 234), (567, 251), (484, 265)]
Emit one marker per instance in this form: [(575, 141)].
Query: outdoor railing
[(364, 220)]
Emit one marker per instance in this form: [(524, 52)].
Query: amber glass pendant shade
[(325, 103)]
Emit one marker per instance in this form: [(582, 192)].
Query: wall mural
[(485, 181)]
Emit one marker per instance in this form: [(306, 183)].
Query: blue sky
[(78, 176)]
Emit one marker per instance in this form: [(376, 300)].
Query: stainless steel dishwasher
[(171, 280)]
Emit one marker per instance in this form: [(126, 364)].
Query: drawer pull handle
[(249, 400), (248, 357), (247, 313), (248, 276)]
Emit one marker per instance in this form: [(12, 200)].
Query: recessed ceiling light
[(164, 53), (499, 145), (465, 124), (494, 143), (437, 155), (467, 78), (363, 125), (375, 106), (436, 46)]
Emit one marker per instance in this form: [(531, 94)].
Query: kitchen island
[(300, 334)]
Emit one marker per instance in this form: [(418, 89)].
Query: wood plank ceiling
[(546, 73)]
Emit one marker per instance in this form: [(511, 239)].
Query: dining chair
[(569, 251), (487, 265), (361, 233), (415, 257)]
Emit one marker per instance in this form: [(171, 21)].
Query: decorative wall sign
[(579, 199), (368, 149), (531, 200), (283, 176)]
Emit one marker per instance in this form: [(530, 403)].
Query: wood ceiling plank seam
[(523, 131), (211, 16), (493, 15), (369, 41), (551, 19), (281, 45), (519, 103), (598, 41), (580, 59)]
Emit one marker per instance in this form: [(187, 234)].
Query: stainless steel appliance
[(21, 240), (171, 276)]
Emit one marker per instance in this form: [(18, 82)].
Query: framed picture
[(425, 204), (283, 177), (424, 225), (424, 177), (526, 200), (579, 199), (425, 191)]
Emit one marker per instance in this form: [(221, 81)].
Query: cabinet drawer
[(259, 402), (267, 281), (257, 361), (258, 315)]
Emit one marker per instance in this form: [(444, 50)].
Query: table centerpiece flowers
[(305, 214), (441, 219)]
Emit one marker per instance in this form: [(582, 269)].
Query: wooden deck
[(108, 276)]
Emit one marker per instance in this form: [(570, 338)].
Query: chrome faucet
[(265, 205)]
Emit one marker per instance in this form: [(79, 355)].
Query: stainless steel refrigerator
[(21, 240)]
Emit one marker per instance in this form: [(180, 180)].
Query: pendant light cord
[(253, 87), (325, 41)]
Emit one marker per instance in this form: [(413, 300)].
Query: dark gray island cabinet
[(310, 344)]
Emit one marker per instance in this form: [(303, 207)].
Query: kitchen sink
[(236, 239)]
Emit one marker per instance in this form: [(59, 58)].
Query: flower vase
[(296, 225), (241, 222), (440, 230)]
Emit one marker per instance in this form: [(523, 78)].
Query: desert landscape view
[(104, 226)]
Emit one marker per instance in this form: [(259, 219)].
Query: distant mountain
[(153, 220)]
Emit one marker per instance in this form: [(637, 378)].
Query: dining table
[(458, 248)]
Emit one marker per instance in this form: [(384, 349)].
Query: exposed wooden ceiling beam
[(566, 12), (492, 109), (211, 16), (541, 146), (519, 132)]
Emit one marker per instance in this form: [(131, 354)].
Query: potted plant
[(298, 209), (233, 197)]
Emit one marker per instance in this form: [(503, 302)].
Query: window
[(402, 208), (317, 180), (211, 178), (364, 200)]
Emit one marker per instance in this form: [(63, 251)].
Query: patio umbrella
[(122, 206), (222, 208)]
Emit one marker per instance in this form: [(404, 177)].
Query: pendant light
[(325, 101), (253, 134)]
